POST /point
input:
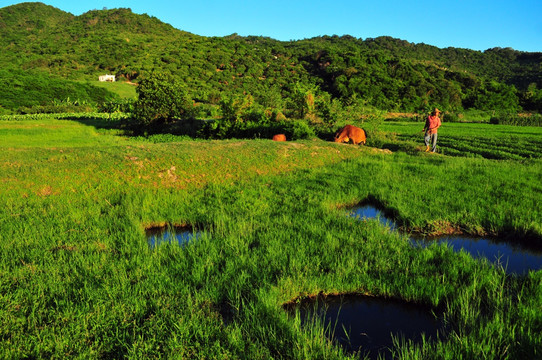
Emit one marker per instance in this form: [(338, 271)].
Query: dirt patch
[(46, 191), (442, 227)]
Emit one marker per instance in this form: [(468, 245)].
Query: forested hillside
[(384, 73)]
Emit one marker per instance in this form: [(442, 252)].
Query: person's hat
[(436, 111)]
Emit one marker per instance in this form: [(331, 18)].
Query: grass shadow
[(98, 122)]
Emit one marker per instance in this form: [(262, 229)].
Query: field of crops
[(501, 142), (79, 279)]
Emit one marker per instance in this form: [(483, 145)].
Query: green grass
[(121, 88), (52, 134), (501, 142), (78, 278)]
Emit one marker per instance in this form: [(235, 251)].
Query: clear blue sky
[(471, 24)]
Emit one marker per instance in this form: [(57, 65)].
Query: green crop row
[(501, 142)]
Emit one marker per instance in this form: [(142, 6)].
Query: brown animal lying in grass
[(351, 132), (279, 137)]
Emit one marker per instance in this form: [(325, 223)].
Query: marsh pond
[(514, 257), (369, 325)]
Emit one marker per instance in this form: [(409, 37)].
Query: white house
[(107, 78)]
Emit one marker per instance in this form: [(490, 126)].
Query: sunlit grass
[(471, 140), (78, 278), (123, 89), (52, 134)]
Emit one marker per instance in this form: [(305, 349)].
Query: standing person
[(431, 125)]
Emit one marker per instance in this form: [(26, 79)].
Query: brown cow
[(351, 132), (279, 137)]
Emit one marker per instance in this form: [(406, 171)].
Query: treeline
[(383, 73)]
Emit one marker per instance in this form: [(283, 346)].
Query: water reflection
[(366, 324), (370, 212), (514, 257), (180, 235)]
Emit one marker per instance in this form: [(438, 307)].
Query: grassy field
[(502, 142), (123, 89), (78, 278)]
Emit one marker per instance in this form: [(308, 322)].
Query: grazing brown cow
[(279, 137), (351, 132)]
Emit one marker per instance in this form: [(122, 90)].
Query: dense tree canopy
[(386, 73)]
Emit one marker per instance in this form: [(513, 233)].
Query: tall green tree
[(162, 100)]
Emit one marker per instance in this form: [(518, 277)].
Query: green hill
[(384, 72)]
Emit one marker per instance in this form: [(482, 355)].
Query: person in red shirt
[(431, 125)]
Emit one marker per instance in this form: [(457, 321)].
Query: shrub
[(298, 130), (235, 108), (4, 111), (243, 118), (517, 120), (450, 117), (118, 105), (206, 111)]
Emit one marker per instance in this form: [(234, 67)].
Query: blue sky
[(471, 24)]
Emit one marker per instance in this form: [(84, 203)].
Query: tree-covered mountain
[(384, 72)]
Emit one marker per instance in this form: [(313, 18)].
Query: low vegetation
[(518, 120), (79, 279), (502, 142)]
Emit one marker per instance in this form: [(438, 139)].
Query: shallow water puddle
[(515, 258), (181, 235), (370, 212), (367, 324)]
